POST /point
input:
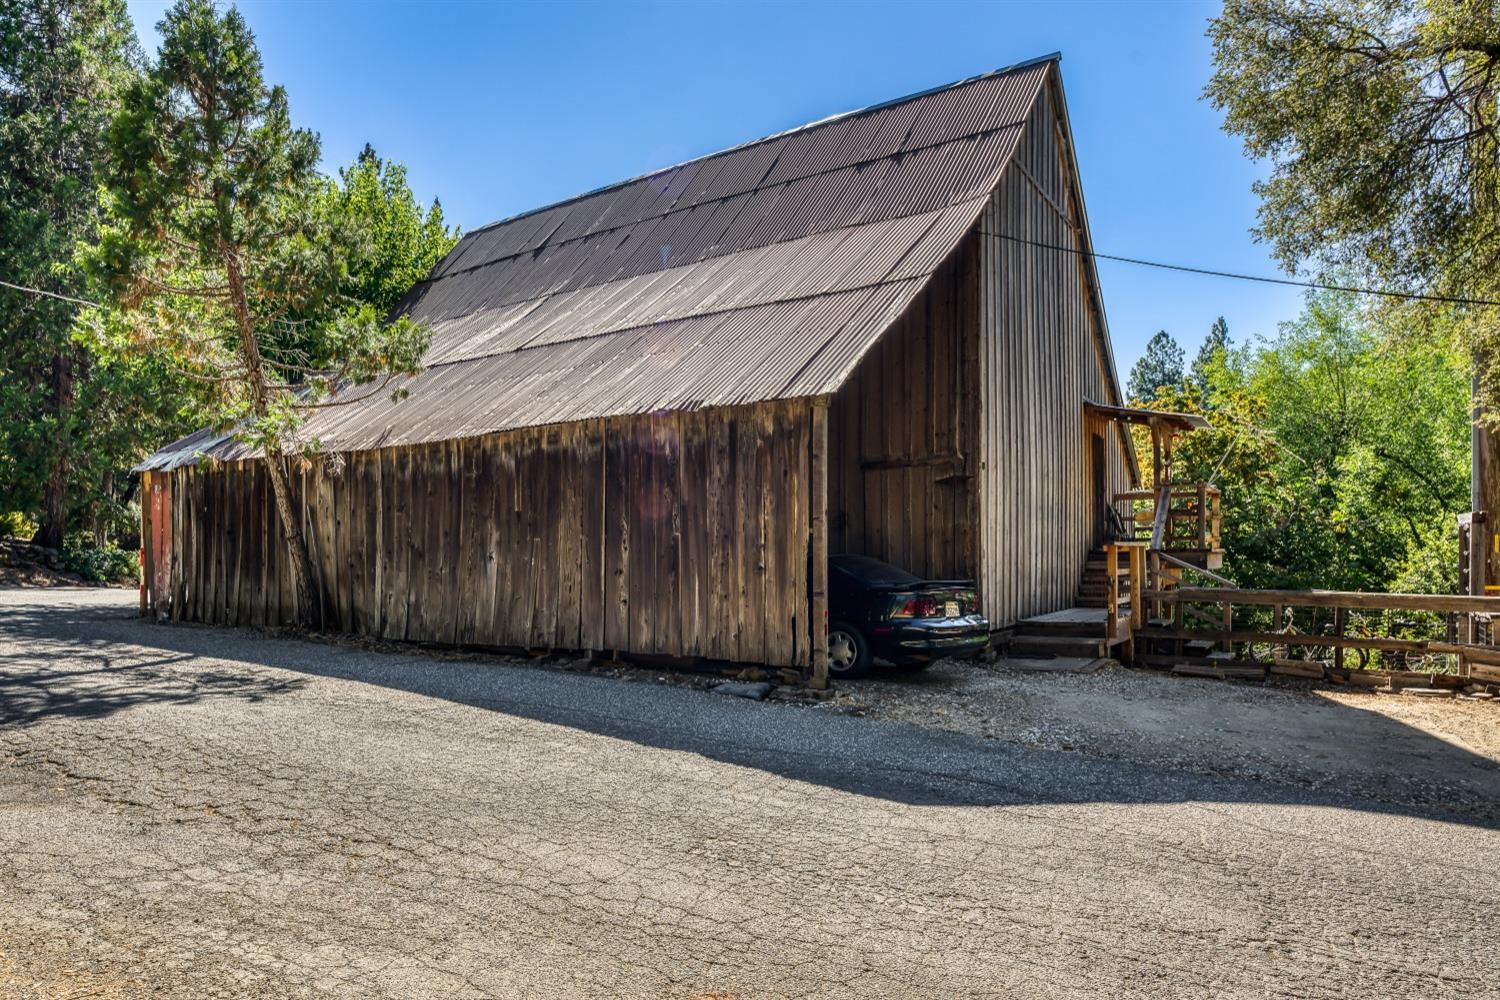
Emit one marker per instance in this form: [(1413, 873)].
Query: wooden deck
[(1071, 616)]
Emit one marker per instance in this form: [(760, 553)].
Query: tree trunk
[(1484, 488), (291, 526), (308, 610), (55, 498)]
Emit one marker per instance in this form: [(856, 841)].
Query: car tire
[(848, 651)]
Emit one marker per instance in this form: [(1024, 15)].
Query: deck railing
[(1257, 630), (1179, 517), (1124, 600)]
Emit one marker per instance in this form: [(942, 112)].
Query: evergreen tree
[(224, 259), (1160, 367), (1210, 353), (63, 64), (404, 243)]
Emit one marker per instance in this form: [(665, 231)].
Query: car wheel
[(848, 652)]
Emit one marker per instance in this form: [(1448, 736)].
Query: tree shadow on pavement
[(893, 761), (53, 667)]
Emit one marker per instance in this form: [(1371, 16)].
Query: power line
[(1210, 272), (1388, 293), (50, 295)]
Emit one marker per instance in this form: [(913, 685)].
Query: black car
[(878, 610)]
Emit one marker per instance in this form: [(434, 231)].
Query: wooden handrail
[(1184, 564), (1178, 490), (1355, 599), (1309, 639)]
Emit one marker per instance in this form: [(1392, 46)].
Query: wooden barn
[(649, 413)]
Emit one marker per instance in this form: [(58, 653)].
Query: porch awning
[(1141, 415)]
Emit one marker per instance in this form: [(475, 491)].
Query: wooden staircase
[(1093, 588), (1070, 632), (1084, 629)]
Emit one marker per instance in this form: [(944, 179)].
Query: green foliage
[(1342, 454), (1159, 368), (1381, 122), (63, 65), (15, 524), (225, 253), (402, 243), (102, 564), (1210, 353)]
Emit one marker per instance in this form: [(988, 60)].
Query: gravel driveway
[(189, 812)]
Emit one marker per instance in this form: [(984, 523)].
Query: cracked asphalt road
[(190, 812)]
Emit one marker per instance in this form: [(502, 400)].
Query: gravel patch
[(1392, 747)]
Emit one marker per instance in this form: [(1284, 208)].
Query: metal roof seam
[(434, 278)]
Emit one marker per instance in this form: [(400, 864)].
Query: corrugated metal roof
[(762, 272)]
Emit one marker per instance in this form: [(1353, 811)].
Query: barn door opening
[(1099, 472)]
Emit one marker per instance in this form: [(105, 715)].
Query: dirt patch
[(45, 965), (1389, 747)]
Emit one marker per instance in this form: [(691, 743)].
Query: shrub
[(107, 565), (14, 524)]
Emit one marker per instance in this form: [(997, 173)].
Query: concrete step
[(1057, 645)]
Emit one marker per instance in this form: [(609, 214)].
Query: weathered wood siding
[(156, 540), (684, 534), (901, 436), (1039, 359)]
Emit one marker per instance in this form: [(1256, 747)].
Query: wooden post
[(1278, 652), (145, 547), (1153, 571), (1179, 625), (818, 548), (1157, 476), (1203, 516), (1112, 589), (1338, 633), (1137, 587), (1228, 615), (1478, 560)]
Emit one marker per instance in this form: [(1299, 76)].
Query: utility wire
[(50, 295), (1388, 293)]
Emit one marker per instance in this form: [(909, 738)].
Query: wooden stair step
[(1087, 630), (1058, 645)]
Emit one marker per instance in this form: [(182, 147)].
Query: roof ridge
[(819, 123)]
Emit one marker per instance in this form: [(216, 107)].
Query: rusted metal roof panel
[(760, 272)]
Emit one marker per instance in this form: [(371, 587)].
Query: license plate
[(951, 609)]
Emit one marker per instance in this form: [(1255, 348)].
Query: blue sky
[(499, 108)]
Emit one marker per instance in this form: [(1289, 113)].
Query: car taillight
[(917, 607)]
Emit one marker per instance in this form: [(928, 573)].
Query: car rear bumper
[(927, 639)]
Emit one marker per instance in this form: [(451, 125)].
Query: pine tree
[(63, 64), (223, 256), (1159, 367), (1210, 353)]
